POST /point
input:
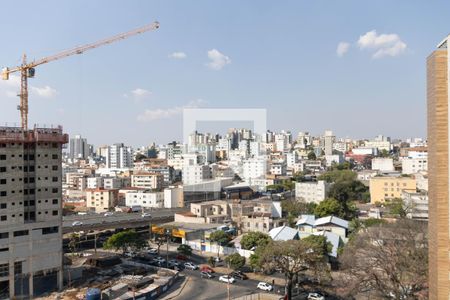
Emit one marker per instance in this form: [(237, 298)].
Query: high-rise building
[(31, 252), (438, 171), (328, 140), (78, 148), (119, 156)]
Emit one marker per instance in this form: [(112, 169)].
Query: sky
[(356, 67)]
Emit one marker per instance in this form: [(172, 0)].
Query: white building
[(173, 197), (334, 158), (119, 156), (254, 168), (416, 204), (147, 180), (312, 191), (365, 151), (193, 174), (278, 168), (281, 142), (145, 199), (414, 165), (383, 164), (78, 148), (94, 182), (328, 141)]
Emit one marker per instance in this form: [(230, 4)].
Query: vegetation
[(312, 155), (219, 237), (293, 208), (235, 261), (338, 176), (397, 207), (211, 261), (254, 239), (185, 249), (331, 206), (390, 260), (125, 240), (291, 257), (159, 240)]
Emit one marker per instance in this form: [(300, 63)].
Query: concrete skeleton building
[(31, 251)]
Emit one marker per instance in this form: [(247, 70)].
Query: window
[(20, 233), (50, 230), (3, 157), (55, 156), (55, 213), (55, 168), (2, 181), (2, 218), (4, 235), (3, 193), (2, 205), (17, 268), (4, 270), (55, 179), (2, 169), (54, 190)]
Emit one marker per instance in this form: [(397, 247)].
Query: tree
[(398, 208), (291, 257), (124, 240), (140, 157), (185, 249), (329, 207), (390, 260), (338, 175), (211, 261), (312, 155), (320, 243), (219, 237), (235, 261), (383, 153), (254, 239)]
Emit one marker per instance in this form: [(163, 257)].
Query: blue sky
[(278, 55)]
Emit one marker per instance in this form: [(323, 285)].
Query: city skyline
[(228, 58)]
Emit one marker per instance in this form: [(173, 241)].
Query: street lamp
[(167, 232)]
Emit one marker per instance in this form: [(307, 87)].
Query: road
[(117, 220)]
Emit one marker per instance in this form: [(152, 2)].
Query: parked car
[(160, 260), (108, 214), (264, 286), (227, 279), (315, 296), (77, 223), (146, 215), (206, 269), (181, 257), (152, 251), (239, 275), (130, 254), (190, 266), (206, 275)]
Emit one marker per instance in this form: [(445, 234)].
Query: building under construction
[(30, 211)]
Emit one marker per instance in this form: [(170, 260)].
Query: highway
[(117, 220)]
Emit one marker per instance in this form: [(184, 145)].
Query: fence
[(259, 296)]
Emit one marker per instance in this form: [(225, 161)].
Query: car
[(190, 266), (130, 254), (315, 296), (174, 262), (227, 279), (239, 275), (146, 215), (77, 223), (217, 259), (264, 286), (206, 269), (108, 214), (181, 257), (206, 275), (152, 251), (160, 260)]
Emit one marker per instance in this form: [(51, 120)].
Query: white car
[(108, 214), (191, 266), (152, 251), (227, 279), (264, 286), (77, 223), (146, 215), (315, 296), (160, 259)]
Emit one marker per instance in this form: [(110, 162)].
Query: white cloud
[(140, 92), (217, 59), (382, 44), (11, 88), (178, 55), (44, 92), (157, 114), (342, 48)]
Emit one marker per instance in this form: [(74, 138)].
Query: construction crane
[(27, 70)]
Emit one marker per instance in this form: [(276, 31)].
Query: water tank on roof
[(93, 294)]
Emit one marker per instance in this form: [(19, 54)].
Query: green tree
[(328, 207), (397, 207), (211, 261), (338, 175), (320, 243), (291, 257), (219, 237), (185, 249), (235, 261), (124, 240), (312, 155), (254, 239)]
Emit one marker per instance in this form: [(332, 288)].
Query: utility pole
[(95, 243), (168, 233)]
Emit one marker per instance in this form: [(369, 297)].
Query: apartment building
[(145, 198), (147, 180), (384, 188), (30, 211), (312, 191), (101, 200), (383, 164), (414, 165), (119, 156)]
